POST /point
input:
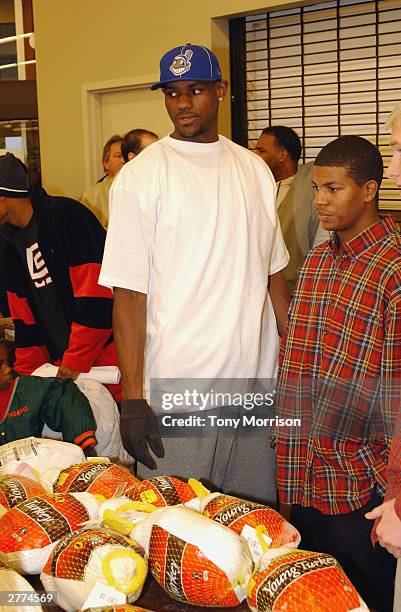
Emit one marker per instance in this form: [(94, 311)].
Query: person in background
[(96, 197), (52, 257), (4, 310), (136, 141), (280, 147), (194, 252), (387, 529), (27, 403), (340, 364)]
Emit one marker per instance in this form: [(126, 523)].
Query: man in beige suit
[(280, 147), (96, 197)]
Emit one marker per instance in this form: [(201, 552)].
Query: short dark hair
[(106, 148), (132, 141), (358, 156), (287, 139)]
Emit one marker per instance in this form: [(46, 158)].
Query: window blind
[(326, 70)]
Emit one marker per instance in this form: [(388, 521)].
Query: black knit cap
[(13, 177)]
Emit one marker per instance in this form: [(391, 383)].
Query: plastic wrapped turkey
[(166, 491), (89, 557), (194, 559), (15, 489), (251, 520), (18, 595), (121, 608), (40, 458), (31, 529), (289, 580), (96, 477)]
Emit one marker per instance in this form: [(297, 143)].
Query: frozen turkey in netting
[(88, 557), (31, 529)]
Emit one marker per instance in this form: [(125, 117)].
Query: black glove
[(139, 428)]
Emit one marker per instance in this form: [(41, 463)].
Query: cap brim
[(9, 193), (159, 85)]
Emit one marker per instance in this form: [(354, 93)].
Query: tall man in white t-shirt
[(194, 251)]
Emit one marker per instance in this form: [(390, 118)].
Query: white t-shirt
[(194, 226)]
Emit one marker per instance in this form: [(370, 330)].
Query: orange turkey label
[(159, 488), (71, 555), (44, 513), (290, 569), (186, 574), (226, 509), (170, 575), (85, 477), (12, 490)]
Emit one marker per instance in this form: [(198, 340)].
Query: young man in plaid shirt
[(340, 368)]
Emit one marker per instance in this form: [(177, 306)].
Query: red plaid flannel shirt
[(340, 372)]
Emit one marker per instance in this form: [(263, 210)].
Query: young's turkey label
[(39, 521), (161, 491), (71, 555), (291, 580), (173, 568), (226, 509), (186, 574), (12, 490), (86, 475), (94, 477), (45, 514), (235, 513), (16, 489)]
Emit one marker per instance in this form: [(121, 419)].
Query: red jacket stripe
[(84, 347), (27, 359), (84, 279), (19, 308)]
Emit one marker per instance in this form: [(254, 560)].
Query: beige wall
[(86, 41), (7, 14)]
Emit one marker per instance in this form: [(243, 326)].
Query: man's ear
[(371, 189), (221, 88), (283, 154), (131, 155)]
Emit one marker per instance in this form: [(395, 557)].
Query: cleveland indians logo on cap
[(181, 63)]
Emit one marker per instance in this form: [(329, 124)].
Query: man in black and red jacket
[(52, 257)]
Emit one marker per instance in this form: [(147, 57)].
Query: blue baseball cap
[(188, 63)]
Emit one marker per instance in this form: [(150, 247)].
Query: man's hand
[(139, 429), (64, 372), (388, 529)]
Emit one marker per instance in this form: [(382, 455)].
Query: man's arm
[(129, 328), (280, 299), (82, 248), (138, 423)]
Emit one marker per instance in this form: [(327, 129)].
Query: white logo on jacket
[(37, 267)]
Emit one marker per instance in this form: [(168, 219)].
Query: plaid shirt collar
[(363, 241)]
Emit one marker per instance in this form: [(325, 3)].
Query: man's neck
[(345, 236), (285, 173)]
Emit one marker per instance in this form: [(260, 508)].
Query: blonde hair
[(394, 119)]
